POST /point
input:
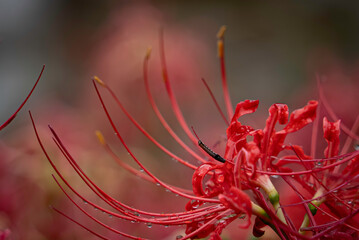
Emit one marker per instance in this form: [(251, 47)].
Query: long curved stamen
[(331, 112), (175, 107), (226, 95), (78, 223), (344, 160), (175, 218), (23, 103), (349, 140), (106, 197), (130, 168), (309, 215), (158, 113), (215, 101), (337, 224), (145, 169), (93, 218), (194, 233), (323, 186), (139, 127)]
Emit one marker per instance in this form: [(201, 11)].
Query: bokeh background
[(273, 51)]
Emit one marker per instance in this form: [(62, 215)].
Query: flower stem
[(312, 207), (261, 213), (266, 184)]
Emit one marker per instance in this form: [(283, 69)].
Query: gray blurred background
[(273, 49)]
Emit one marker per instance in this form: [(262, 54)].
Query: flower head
[(237, 185)]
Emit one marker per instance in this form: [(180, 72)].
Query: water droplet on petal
[(149, 225), (220, 178), (179, 236), (141, 170), (274, 176)]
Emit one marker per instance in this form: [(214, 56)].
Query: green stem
[(312, 207), (261, 213), (266, 184)]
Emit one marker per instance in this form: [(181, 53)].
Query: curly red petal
[(297, 120), (236, 132), (245, 107), (198, 176), (301, 117), (277, 112)]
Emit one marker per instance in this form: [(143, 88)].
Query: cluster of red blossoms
[(238, 185)]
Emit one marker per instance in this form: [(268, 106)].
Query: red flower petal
[(331, 135), (277, 112), (239, 201), (245, 107), (197, 179), (301, 117), (297, 120), (236, 139), (236, 132)]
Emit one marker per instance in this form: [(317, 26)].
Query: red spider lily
[(223, 183)]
